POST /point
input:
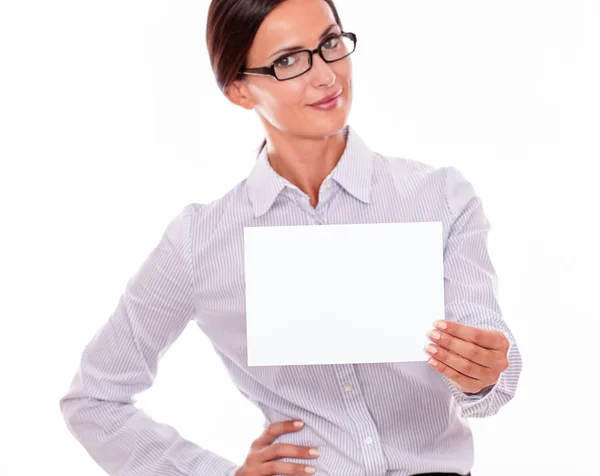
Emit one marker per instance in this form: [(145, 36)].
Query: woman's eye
[(285, 62), (331, 43)]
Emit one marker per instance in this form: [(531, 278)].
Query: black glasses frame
[(270, 70)]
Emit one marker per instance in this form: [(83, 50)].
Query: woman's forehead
[(293, 23)]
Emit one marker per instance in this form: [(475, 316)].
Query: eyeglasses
[(332, 49)]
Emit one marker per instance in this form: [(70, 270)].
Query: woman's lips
[(328, 103)]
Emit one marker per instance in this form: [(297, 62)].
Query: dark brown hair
[(230, 30)]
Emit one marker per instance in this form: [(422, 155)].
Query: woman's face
[(288, 106)]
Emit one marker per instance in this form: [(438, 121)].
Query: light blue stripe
[(369, 419)]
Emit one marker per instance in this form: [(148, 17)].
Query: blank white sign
[(341, 294)]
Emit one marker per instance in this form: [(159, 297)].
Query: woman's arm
[(471, 288), (121, 361)]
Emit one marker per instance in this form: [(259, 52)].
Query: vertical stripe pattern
[(388, 419)]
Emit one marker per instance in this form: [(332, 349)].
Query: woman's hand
[(471, 358), (263, 456)]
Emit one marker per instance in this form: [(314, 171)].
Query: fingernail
[(441, 324), (432, 362), (434, 334), (314, 452), (309, 469), (431, 349), (298, 424)]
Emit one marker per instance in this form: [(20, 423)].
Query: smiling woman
[(289, 61), (254, 66)]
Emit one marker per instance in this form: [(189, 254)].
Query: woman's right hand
[(263, 456)]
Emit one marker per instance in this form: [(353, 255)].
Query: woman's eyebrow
[(287, 49)]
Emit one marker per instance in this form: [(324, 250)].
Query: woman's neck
[(305, 162)]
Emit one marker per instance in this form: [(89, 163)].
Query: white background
[(110, 122)]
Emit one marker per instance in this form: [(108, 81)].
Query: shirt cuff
[(478, 396), (233, 470), (214, 464), (479, 404)]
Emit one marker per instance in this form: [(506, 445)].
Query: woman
[(288, 60)]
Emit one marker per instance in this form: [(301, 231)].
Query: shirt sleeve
[(471, 291), (121, 361)]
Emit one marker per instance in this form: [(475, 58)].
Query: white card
[(342, 294)]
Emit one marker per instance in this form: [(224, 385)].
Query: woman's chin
[(328, 123)]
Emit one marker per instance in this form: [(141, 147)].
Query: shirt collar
[(353, 172)]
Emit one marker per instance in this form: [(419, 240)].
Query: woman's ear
[(239, 94)]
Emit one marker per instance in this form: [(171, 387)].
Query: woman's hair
[(230, 31)]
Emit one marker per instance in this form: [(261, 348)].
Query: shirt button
[(348, 387), (328, 184), (368, 440), (316, 222)]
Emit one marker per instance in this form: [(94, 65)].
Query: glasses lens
[(292, 65), (337, 48)]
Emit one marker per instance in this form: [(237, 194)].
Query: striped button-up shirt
[(384, 419)]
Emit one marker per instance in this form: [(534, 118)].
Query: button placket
[(366, 431)]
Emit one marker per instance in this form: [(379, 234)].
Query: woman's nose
[(322, 73)]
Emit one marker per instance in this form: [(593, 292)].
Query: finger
[(487, 338), (275, 430), (464, 382), (469, 351), (459, 363), (276, 467), (282, 450)]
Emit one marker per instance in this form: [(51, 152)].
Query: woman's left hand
[(472, 358)]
